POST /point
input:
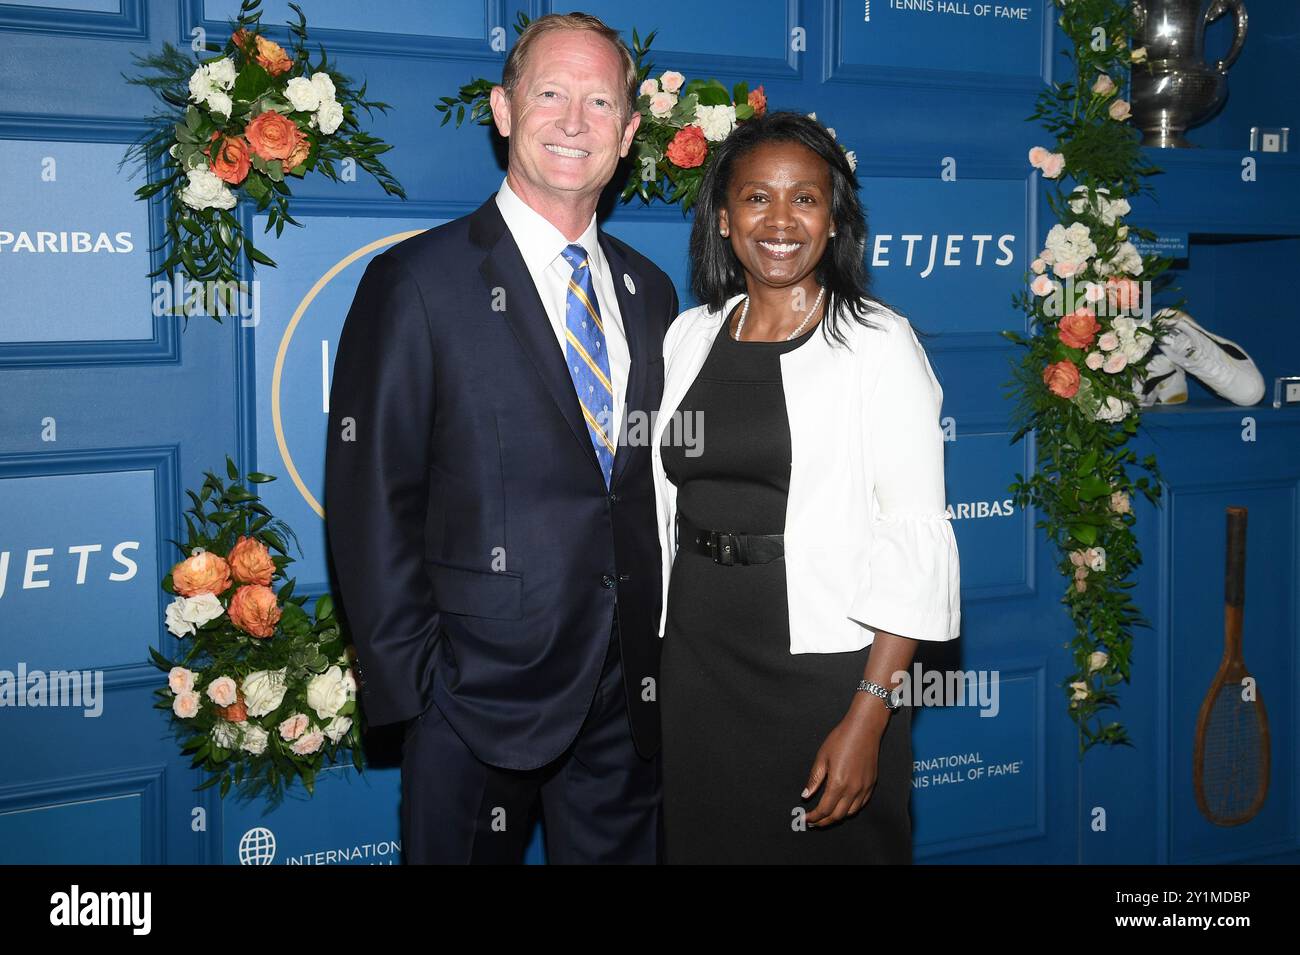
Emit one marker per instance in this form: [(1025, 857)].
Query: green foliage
[(1082, 490)]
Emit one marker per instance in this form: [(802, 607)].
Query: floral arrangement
[(682, 121), (1092, 330), (265, 693), (233, 127)]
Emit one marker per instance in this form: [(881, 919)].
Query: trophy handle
[(1218, 9)]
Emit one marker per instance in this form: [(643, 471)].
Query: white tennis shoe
[(1220, 364)]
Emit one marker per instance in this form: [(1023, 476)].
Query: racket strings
[(1233, 754)]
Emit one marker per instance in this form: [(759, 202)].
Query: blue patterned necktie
[(584, 351)]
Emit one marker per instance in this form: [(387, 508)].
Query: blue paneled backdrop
[(109, 409)]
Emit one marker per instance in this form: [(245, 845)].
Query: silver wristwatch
[(893, 698)]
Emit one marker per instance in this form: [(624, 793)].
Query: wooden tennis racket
[(1231, 759)]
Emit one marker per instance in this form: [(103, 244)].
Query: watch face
[(896, 697)]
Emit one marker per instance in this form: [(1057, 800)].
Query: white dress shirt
[(869, 543), (541, 244)]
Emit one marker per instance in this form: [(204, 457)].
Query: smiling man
[(492, 527)]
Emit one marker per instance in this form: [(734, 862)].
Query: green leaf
[(1093, 487), (1085, 534), (232, 472)]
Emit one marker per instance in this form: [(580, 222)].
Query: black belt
[(727, 548)]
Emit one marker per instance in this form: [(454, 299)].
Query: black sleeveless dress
[(742, 717)]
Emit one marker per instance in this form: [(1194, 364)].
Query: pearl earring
[(832, 235)]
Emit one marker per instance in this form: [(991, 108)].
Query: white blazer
[(868, 538)]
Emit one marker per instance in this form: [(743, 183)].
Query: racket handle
[(1234, 585)]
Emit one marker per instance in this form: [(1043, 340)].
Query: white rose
[(338, 728), (1113, 410), (1138, 54), (329, 117), (222, 73), (327, 693), (264, 691), (1070, 246), (302, 94), (254, 739), (200, 84), (1080, 690), (186, 614), (852, 157), (225, 734), (649, 87), (1136, 347), (219, 102), (672, 81), (1106, 208), (717, 122), (324, 87), (206, 191), (1097, 558), (1097, 660)]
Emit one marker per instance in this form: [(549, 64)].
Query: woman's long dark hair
[(716, 273)]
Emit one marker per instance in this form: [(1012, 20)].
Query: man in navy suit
[(491, 514)]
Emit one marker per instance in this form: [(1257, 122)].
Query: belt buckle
[(722, 547)]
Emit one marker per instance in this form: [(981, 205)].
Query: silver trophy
[(1176, 88)]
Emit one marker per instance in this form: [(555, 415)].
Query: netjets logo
[(59, 243), (42, 567), (974, 509), (257, 847), (890, 251)]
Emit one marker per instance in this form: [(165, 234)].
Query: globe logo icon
[(257, 847)]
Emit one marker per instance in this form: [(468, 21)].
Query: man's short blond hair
[(518, 58)]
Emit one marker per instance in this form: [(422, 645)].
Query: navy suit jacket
[(481, 562)]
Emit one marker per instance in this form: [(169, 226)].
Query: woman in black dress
[(778, 746)]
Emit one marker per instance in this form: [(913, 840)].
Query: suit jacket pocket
[(477, 593)]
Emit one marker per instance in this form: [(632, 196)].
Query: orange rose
[(273, 136), (1079, 328), (271, 56), (688, 148), (251, 562), (299, 154), (236, 712), (1062, 378), (758, 100), (240, 38), (204, 573), (254, 610), (231, 161)]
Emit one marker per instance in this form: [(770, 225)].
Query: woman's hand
[(847, 763)]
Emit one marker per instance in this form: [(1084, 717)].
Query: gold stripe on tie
[(595, 426), (587, 358), (582, 296)]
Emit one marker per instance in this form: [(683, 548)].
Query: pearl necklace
[(744, 311)]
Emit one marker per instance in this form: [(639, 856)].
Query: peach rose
[(180, 680), (1053, 165), (254, 610), (1108, 342), (1115, 362), (1079, 328), (299, 154), (1095, 360), (223, 691), (1042, 285), (230, 162), (204, 573), (294, 726), (239, 38), (758, 100), (273, 136), (1124, 294), (1119, 502), (186, 705), (1120, 110), (271, 57), (688, 148), (250, 561), (1062, 378), (308, 743), (672, 81), (1036, 157), (1104, 85)]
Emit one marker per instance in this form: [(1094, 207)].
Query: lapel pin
[(627, 280)]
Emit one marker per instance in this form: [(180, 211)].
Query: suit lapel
[(631, 309), (504, 268)]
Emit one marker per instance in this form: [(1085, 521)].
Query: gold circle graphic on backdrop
[(298, 313)]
